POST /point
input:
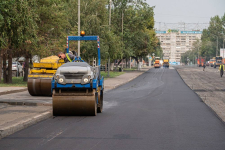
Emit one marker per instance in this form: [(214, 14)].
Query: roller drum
[(39, 87), (74, 105)]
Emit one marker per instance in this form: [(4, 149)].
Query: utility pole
[(198, 51), (78, 27), (110, 1), (223, 48), (122, 25), (217, 47)]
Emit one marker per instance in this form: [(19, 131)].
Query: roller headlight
[(85, 80), (60, 80)]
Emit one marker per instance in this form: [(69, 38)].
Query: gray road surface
[(155, 111)]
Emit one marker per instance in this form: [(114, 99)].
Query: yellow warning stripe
[(39, 76), (43, 71)]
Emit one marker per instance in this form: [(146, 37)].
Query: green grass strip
[(16, 81), (112, 74)]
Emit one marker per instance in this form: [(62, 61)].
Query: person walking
[(23, 68), (204, 65), (221, 69)]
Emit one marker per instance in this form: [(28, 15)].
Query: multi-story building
[(174, 43)]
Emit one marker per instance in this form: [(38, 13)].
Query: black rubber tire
[(96, 105), (100, 105)]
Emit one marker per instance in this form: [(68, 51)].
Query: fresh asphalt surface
[(155, 111)]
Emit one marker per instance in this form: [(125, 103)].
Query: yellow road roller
[(40, 77), (77, 87)]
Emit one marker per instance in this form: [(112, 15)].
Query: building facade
[(174, 43)]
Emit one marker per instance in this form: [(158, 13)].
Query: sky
[(188, 11)]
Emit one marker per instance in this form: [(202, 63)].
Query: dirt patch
[(208, 85)]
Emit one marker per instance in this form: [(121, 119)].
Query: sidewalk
[(9, 90), (18, 115), (14, 118)]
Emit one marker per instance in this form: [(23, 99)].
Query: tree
[(18, 26)]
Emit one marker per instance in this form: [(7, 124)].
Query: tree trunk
[(1, 55), (105, 67), (25, 78), (136, 58), (4, 66), (31, 63), (108, 67), (9, 78), (119, 63), (126, 63)]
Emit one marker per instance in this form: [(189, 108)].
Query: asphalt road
[(155, 111)]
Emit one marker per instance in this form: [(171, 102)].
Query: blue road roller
[(77, 87)]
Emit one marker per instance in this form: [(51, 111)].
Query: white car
[(16, 66)]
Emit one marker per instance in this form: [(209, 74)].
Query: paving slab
[(14, 117), (9, 90)]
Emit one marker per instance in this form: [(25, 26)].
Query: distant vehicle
[(212, 61), (157, 64), (201, 61), (166, 63), (218, 61)]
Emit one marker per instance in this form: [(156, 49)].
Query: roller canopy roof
[(80, 64)]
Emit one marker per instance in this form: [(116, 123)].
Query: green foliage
[(208, 45), (40, 27), (138, 35)]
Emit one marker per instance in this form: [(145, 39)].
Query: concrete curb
[(24, 124), (118, 85), (13, 91), (202, 100), (26, 103)]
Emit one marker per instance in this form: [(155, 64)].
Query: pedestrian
[(23, 65), (221, 69), (68, 57), (204, 66)]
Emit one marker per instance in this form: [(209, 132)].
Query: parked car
[(16, 67)]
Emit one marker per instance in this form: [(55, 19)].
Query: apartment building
[(174, 43)]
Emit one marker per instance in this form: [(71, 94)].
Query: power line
[(163, 26), (181, 15)]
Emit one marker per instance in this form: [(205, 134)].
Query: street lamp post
[(78, 49), (217, 47), (223, 50), (110, 2)]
